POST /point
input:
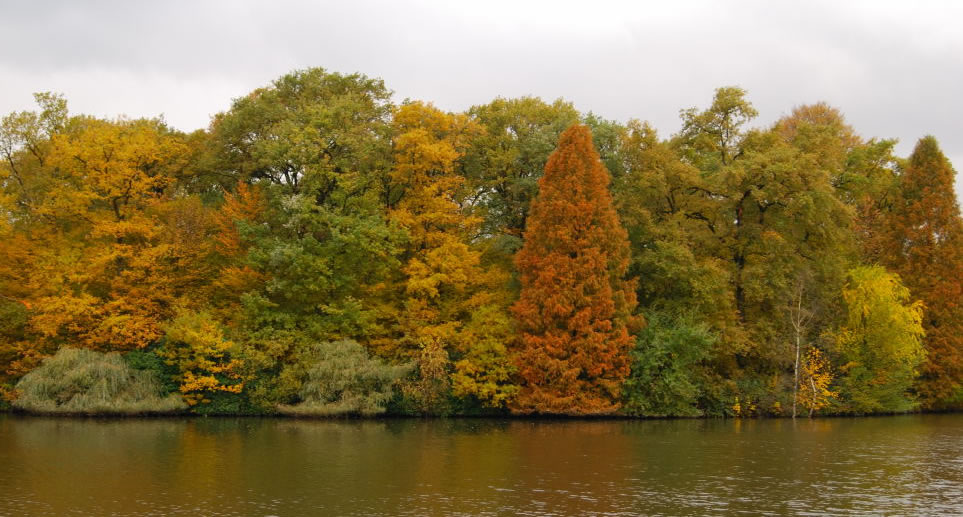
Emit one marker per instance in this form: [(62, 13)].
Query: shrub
[(666, 377), (346, 381), (147, 359), (196, 347), (79, 381)]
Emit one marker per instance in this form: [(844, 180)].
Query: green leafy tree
[(504, 164), (773, 213), (670, 220), (317, 145), (668, 372)]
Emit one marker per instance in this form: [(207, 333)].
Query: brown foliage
[(925, 246), (575, 310)]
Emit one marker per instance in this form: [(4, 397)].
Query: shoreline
[(507, 416)]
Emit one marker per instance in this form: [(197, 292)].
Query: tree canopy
[(321, 249)]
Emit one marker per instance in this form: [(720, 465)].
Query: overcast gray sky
[(895, 69)]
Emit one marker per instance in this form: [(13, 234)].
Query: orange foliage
[(925, 246), (575, 310), (103, 273), (234, 278), (247, 204)]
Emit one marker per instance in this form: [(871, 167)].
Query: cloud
[(894, 68)]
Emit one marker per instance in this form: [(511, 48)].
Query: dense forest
[(323, 250)]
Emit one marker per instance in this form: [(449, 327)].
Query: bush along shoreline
[(322, 250)]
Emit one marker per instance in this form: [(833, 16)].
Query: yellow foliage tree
[(103, 277), (817, 376), (196, 346), (444, 284)]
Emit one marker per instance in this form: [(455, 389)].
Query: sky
[(895, 69)]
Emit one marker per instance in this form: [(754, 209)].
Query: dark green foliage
[(318, 143), (503, 166), (146, 359), (222, 403), (668, 375)]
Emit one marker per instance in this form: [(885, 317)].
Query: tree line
[(322, 250)]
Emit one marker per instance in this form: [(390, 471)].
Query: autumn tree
[(107, 283), (445, 285), (25, 138), (575, 312), (240, 211), (924, 245), (815, 392), (315, 146), (504, 164), (880, 344), (195, 345), (89, 203)]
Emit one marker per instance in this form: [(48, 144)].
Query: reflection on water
[(891, 465)]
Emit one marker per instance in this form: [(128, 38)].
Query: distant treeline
[(321, 250)]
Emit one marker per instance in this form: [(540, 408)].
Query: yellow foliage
[(446, 297), (741, 408), (817, 376), (197, 347), (106, 266), (441, 270)]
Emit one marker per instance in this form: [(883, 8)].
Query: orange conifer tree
[(575, 309), (926, 248)]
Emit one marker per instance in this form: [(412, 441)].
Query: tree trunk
[(795, 384)]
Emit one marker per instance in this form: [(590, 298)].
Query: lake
[(212, 466)]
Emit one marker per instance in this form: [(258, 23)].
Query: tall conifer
[(575, 309), (926, 249)]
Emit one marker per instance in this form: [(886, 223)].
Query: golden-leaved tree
[(451, 318), (104, 281), (109, 249)]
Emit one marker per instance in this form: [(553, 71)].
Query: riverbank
[(502, 415)]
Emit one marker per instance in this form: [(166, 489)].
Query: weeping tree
[(80, 381), (344, 380)]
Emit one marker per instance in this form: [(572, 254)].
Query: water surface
[(887, 465)]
